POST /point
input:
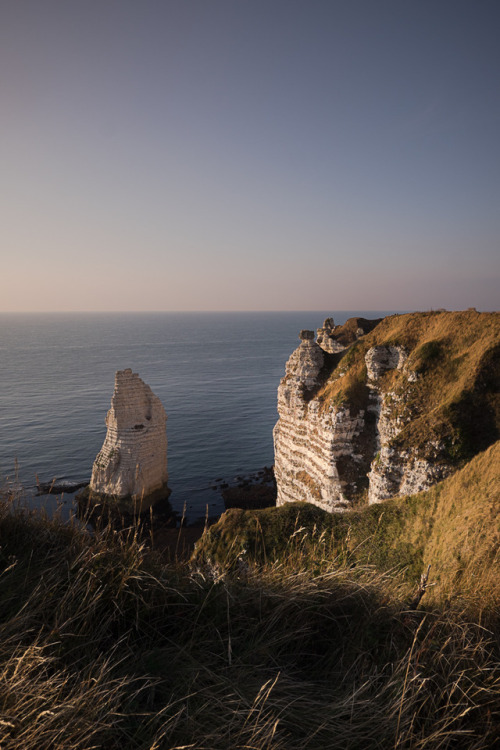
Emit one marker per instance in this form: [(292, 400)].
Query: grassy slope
[(455, 527), (102, 646), (455, 399)]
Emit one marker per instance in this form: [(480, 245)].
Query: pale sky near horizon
[(249, 154)]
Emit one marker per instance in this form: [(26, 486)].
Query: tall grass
[(104, 646), (454, 527)]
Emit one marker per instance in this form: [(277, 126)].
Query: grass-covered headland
[(289, 630)]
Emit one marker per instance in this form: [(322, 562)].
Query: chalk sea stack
[(130, 470)]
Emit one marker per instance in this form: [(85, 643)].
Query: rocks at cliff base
[(59, 487), (132, 463), (257, 490)]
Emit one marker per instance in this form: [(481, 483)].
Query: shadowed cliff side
[(454, 527)]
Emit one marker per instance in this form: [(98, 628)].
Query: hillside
[(395, 412), (104, 646), (454, 527)]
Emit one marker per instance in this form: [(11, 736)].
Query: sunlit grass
[(455, 356), (104, 646)]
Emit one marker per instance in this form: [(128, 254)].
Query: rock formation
[(326, 337), (397, 472), (132, 463), (314, 448), (392, 413), (335, 339)]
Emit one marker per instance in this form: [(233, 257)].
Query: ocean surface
[(216, 374)]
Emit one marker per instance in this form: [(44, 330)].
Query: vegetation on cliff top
[(454, 400)]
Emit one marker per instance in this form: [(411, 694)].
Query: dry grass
[(457, 358), (455, 527), (305, 479), (104, 646)]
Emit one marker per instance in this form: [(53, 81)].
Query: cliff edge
[(393, 413)]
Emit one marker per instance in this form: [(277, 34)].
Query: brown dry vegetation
[(308, 481), (103, 646), (455, 400), (454, 527)]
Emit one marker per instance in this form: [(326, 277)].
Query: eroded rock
[(334, 339), (317, 452), (379, 359), (132, 463)]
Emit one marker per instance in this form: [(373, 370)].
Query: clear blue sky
[(249, 154)]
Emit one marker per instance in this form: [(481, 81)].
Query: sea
[(216, 374)]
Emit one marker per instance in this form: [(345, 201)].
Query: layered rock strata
[(397, 471), (392, 413), (318, 453), (326, 337), (132, 463), (328, 454)]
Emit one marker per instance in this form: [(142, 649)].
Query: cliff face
[(318, 452), (390, 414), (132, 462)]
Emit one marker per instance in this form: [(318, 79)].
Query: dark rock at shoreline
[(57, 488), (256, 491), (101, 510)]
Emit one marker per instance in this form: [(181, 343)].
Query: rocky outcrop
[(334, 339), (132, 463), (330, 454), (379, 359), (396, 472), (391, 413), (326, 338), (318, 452)]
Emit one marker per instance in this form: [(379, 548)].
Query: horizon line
[(356, 311)]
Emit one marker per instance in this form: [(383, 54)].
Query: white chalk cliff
[(395, 471), (132, 462), (377, 419), (328, 454), (317, 452)]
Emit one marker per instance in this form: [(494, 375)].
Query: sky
[(249, 155)]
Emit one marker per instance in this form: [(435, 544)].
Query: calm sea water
[(215, 373)]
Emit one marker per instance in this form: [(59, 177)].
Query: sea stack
[(131, 466)]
